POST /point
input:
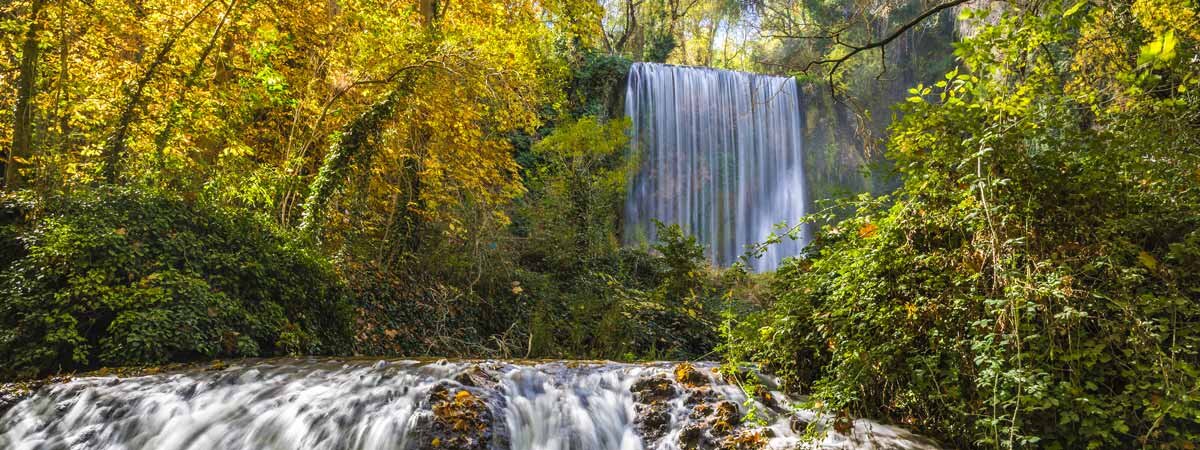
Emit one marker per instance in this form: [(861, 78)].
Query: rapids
[(319, 404)]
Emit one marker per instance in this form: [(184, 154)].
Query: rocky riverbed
[(398, 404)]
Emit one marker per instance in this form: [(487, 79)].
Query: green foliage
[(596, 84), (578, 186), (1034, 281), (586, 295), (349, 147), (121, 276)]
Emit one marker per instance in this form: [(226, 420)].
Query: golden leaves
[(1162, 16), (1147, 260), (868, 230)]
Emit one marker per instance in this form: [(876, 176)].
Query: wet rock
[(767, 399), (699, 412), (745, 440), (695, 437), (13, 393), (653, 420), (653, 389), (687, 375), (699, 396), (843, 423), (476, 376), (461, 421), (799, 425), (712, 426), (726, 416), (653, 395)]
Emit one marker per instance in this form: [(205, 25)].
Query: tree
[(22, 141), (115, 146)]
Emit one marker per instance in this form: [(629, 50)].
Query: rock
[(798, 424), (768, 399), (699, 412), (745, 440), (699, 396), (653, 395), (713, 426), (13, 393), (843, 423), (653, 389), (724, 418), (652, 420), (461, 421), (694, 437), (687, 375), (475, 376)]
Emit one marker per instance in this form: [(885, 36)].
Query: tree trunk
[(429, 11), (22, 142), (114, 148), (172, 120), (64, 78)]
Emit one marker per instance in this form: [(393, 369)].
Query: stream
[(278, 404)]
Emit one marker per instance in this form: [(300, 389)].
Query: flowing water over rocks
[(280, 404)]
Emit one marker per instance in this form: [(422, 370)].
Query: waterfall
[(319, 404), (721, 154)]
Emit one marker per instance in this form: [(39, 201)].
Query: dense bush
[(121, 276), (1036, 281)]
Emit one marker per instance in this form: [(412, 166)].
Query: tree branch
[(856, 49)]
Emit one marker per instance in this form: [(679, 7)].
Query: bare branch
[(856, 49)]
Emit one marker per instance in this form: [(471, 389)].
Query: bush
[(117, 276), (1035, 281)]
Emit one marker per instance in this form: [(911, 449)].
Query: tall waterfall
[(721, 155)]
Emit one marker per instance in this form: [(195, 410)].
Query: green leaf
[(1159, 51), (1074, 9)]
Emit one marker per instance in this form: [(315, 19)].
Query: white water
[(721, 155), (327, 404)]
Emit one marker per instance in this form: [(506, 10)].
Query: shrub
[(1034, 282), (119, 276)]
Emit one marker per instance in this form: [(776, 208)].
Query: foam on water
[(329, 404)]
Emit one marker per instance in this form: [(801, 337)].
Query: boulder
[(687, 375), (461, 421)]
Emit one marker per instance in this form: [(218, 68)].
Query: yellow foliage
[(1161, 16), (250, 94), (867, 230)]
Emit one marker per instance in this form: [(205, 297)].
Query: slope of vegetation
[(1034, 282), (123, 277)]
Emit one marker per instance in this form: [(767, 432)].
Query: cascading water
[(721, 155), (397, 405)]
